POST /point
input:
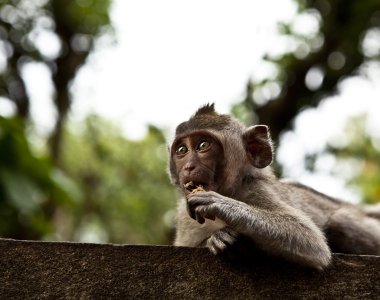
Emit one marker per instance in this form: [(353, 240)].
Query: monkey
[(240, 197)]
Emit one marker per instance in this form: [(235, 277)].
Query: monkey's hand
[(220, 240), (211, 205)]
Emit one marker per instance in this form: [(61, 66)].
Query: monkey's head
[(218, 152)]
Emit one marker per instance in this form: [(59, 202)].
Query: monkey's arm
[(272, 224)]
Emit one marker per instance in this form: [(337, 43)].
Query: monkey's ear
[(259, 145)]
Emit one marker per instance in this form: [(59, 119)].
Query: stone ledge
[(55, 270)]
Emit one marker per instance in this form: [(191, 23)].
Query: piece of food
[(192, 188)]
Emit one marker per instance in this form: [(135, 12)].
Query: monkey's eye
[(182, 149), (203, 145)]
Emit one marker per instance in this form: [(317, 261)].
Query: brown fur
[(244, 199)]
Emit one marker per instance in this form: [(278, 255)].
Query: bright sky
[(173, 56)]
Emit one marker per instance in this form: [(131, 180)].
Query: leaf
[(22, 193)]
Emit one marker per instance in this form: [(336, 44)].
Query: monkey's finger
[(210, 216), (194, 204), (201, 212), (197, 200), (190, 210), (213, 249), (227, 237), (196, 214), (192, 214), (200, 219), (216, 246)]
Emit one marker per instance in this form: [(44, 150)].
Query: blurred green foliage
[(70, 28), (110, 189), (29, 186), (363, 151), (127, 192), (314, 61)]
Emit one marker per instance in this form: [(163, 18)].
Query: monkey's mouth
[(192, 187)]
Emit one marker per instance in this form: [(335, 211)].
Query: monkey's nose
[(189, 167)]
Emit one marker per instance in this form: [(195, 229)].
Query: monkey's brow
[(190, 134)]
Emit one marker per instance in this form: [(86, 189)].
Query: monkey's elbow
[(324, 261), (318, 261), (320, 258), (313, 253)]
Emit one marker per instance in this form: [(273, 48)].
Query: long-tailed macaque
[(229, 191)]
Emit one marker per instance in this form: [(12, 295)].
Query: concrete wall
[(44, 270)]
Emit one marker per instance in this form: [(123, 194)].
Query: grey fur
[(285, 219)]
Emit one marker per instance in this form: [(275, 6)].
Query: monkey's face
[(197, 158), (217, 152)]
